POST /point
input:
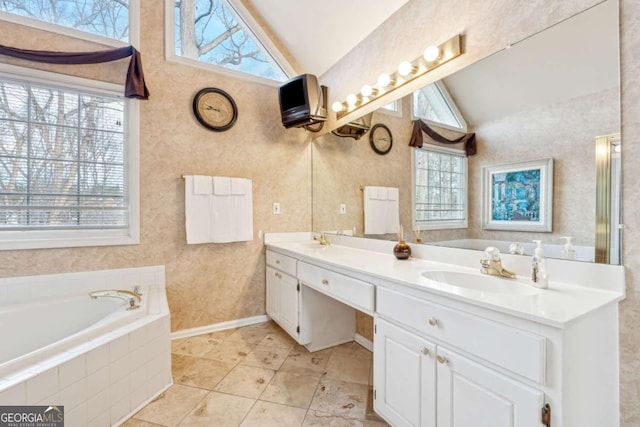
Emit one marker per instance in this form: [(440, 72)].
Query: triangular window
[(434, 104), (212, 31)]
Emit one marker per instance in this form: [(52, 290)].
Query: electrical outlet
[(276, 208), (343, 208)]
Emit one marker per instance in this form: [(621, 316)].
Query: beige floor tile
[(200, 344), (376, 424), (279, 339), (134, 422), (323, 419), (301, 361), (246, 381), (250, 334), (218, 409), (198, 372), (350, 369), (266, 414), (266, 357), (352, 349), (341, 398), (229, 351), (289, 388), (172, 405)]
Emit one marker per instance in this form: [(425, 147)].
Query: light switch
[(343, 208), (276, 208)]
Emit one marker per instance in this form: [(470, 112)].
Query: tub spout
[(133, 298)]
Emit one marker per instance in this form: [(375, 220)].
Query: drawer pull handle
[(433, 321), (442, 359), (325, 282), (277, 261), (425, 351), (279, 276)]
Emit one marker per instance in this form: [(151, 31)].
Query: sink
[(479, 282)]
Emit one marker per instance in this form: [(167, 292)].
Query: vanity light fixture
[(432, 57), (337, 106)]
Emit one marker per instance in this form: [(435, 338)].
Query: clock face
[(380, 139), (215, 109)]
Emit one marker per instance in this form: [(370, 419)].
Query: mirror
[(549, 96)]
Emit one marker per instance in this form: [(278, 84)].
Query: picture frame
[(518, 196)]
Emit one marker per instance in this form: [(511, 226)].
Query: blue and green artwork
[(516, 196)]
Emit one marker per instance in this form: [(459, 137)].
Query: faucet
[(322, 239), (492, 265), (132, 297)]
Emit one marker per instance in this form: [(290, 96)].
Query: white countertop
[(556, 306)]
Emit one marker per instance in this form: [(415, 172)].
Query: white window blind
[(440, 189), (63, 162)]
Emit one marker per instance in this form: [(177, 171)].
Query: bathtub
[(99, 360)]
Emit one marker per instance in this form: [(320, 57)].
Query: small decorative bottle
[(402, 250)]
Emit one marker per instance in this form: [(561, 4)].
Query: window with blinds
[(63, 159), (440, 189)]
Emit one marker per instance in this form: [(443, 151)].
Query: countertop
[(556, 306)]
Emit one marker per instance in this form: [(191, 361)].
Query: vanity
[(453, 347)]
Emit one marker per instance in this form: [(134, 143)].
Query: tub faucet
[(133, 298), (492, 265)]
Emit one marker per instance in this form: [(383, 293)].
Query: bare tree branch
[(218, 40)]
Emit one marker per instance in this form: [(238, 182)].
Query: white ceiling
[(318, 33), (572, 59)]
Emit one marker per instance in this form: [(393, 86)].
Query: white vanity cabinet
[(283, 294), (419, 383)]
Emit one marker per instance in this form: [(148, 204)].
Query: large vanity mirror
[(552, 95)]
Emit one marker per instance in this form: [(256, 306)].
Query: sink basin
[(479, 282)]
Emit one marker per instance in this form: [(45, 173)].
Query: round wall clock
[(215, 109), (380, 139)]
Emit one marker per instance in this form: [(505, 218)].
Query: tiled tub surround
[(109, 365), (536, 343)]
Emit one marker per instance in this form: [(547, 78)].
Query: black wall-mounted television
[(302, 101)]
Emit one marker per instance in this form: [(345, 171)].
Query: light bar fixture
[(432, 57)]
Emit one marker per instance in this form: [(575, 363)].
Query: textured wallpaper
[(207, 283)]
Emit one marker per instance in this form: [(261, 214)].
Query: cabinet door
[(273, 293), (289, 304), (472, 395), (404, 376)]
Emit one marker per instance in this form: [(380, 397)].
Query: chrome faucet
[(322, 239), (132, 297), (492, 265)]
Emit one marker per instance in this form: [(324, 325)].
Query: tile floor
[(258, 376)]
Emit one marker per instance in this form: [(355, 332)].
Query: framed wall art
[(518, 196)]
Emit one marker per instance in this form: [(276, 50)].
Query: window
[(68, 168), (215, 33), (440, 189), (81, 18), (394, 108), (434, 104)]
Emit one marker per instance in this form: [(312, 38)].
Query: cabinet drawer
[(283, 263), (353, 292), (516, 350)]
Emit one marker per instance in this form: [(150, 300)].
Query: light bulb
[(384, 80), (337, 106), (405, 68), (431, 53), (352, 99), (367, 91)]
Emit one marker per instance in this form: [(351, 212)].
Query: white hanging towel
[(223, 215), (381, 210), (197, 206)]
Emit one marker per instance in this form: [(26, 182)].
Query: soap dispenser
[(568, 252), (539, 275)]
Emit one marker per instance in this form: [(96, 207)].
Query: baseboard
[(186, 333), (364, 342)]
